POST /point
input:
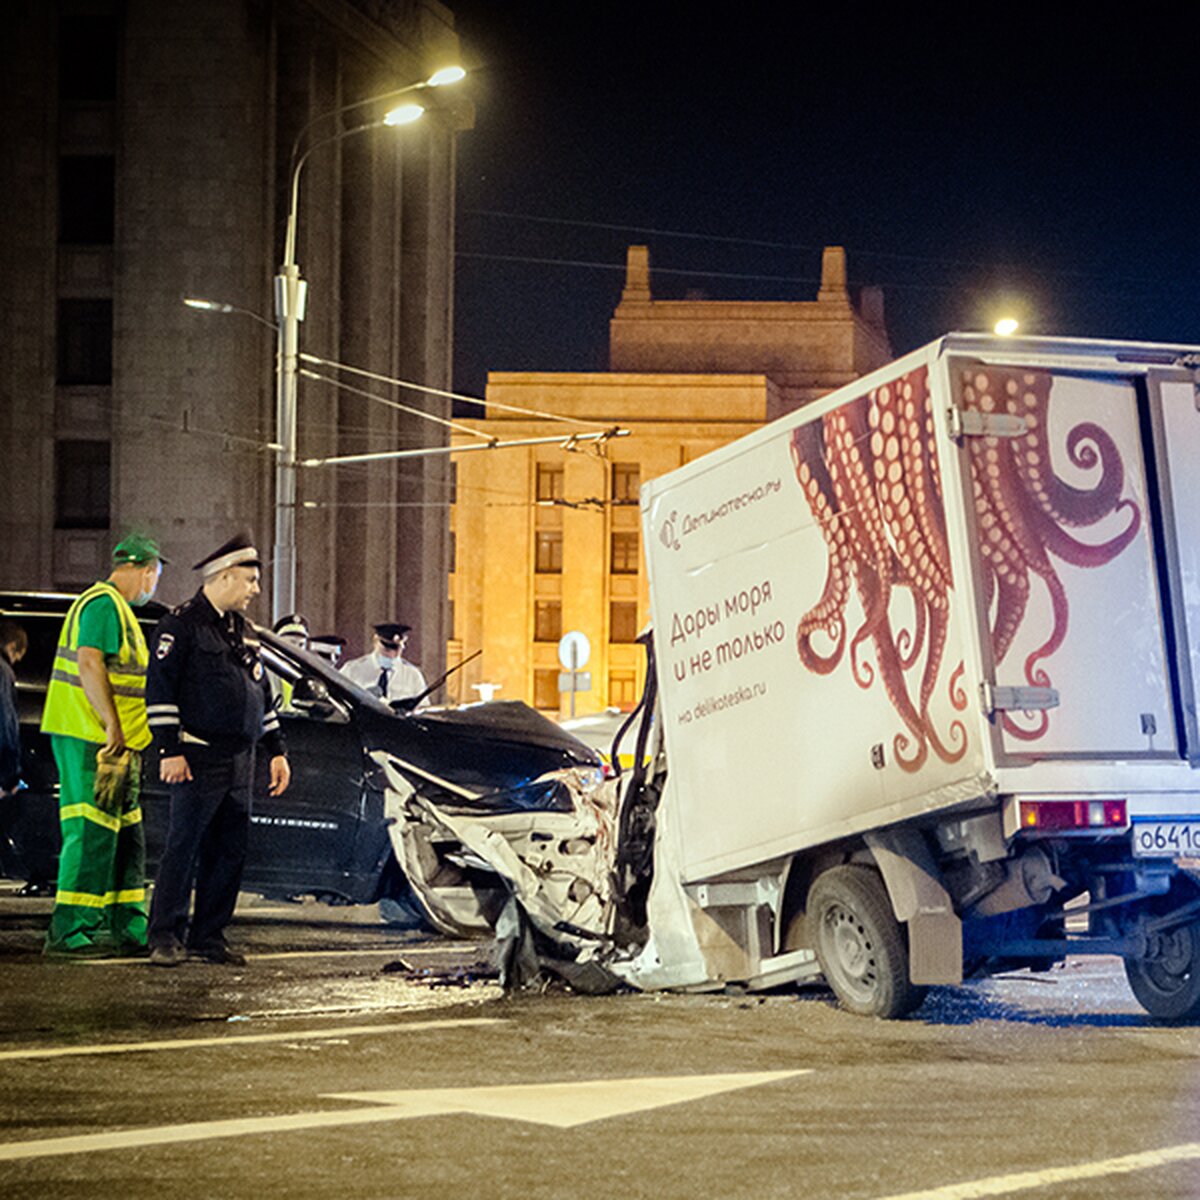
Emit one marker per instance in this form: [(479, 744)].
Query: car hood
[(477, 750)]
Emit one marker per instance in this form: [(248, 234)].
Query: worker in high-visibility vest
[(292, 628), (96, 717)]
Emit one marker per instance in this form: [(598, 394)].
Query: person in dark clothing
[(13, 644), (209, 703)]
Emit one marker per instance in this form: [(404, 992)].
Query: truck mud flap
[(920, 899)]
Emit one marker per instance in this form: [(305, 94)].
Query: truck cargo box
[(969, 573)]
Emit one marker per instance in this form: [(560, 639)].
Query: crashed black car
[(333, 834)]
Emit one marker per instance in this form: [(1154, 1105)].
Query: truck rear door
[(1174, 401), (1068, 543)]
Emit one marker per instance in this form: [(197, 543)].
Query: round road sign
[(573, 650)]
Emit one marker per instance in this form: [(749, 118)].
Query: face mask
[(145, 597), (384, 662)]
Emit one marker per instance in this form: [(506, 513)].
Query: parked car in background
[(331, 834)]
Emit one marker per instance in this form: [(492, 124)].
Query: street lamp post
[(291, 293)]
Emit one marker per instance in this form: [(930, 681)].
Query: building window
[(545, 689), (550, 478), (622, 690), (82, 473), (547, 620), (87, 57), (85, 333), (86, 199), (626, 482), (622, 621), (452, 552), (549, 552), (625, 553), (452, 483)]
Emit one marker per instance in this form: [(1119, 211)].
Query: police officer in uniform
[(209, 702), (385, 672)]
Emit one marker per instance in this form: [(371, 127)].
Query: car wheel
[(1168, 985), (859, 943)]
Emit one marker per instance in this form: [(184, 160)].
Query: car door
[(303, 841)]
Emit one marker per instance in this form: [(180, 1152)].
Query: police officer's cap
[(390, 634), (293, 625), (239, 551), (328, 645), (138, 550)]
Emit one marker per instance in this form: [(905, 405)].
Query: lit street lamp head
[(446, 76), (218, 306), (207, 305), (404, 114)]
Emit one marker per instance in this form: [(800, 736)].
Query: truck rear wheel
[(1168, 985), (859, 943)]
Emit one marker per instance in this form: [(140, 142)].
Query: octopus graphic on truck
[(869, 471)]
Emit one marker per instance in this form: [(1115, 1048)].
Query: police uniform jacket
[(206, 684)]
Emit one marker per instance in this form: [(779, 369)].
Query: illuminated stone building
[(146, 157), (548, 541)]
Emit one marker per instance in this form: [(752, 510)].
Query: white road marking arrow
[(558, 1104), (565, 1104)]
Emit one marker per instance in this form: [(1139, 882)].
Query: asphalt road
[(348, 1059)]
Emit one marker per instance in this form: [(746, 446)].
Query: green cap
[(136, 549)]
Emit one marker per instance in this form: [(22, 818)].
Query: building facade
[(147, 158), (547, 540)]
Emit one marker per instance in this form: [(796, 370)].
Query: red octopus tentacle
[(907, 496), (827, 616), (897, 692), (1034, 676), (847, 430), (1012, 598), (909, 645), (1026, 735), (939, 623), (1083, 554)]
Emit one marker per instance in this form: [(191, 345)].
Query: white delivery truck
[(926, 654)]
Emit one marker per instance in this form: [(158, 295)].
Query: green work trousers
[(100, 903)]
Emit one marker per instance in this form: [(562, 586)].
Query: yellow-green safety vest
[(68, 710)]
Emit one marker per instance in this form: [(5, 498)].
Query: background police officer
[(208, 702), (385, 672)]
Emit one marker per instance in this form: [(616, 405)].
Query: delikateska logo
[(668, 533), (674, 529)]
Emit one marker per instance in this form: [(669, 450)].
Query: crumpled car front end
[(532, 865)]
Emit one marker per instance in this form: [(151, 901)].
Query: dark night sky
[(1048, 162)]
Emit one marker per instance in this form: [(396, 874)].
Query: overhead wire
[(760, 243), (420, 387), (405, 408)]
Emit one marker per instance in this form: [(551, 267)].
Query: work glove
[(113, 773)]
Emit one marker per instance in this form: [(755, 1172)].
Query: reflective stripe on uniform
[(162, 714), (118, 689), (71, 654), (88, 900), (112, 821)]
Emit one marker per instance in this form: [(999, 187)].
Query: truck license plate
[(1166, 839)]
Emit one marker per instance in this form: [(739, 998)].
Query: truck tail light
[(1051, 815)]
